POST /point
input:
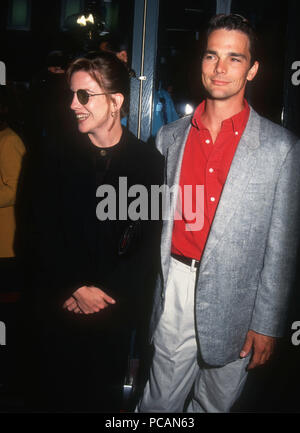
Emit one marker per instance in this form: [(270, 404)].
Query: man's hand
[(262, 346), (88, 300)]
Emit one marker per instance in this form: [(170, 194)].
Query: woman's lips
[(81, 117)]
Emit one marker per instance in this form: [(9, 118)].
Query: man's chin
[(217, 96)]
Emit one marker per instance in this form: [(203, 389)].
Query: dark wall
[(24, 52), (291, 118), (272, 93)]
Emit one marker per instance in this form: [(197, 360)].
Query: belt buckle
[(193, 265)]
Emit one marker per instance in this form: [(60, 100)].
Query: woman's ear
[(117, 101)]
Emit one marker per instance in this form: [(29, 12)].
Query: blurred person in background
[(49, 111), (12, 150), (164, 110)]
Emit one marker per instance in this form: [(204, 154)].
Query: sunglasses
[(83, 96)]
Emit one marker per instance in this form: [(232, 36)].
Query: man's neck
[(216, 111)]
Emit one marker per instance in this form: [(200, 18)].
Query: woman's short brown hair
[(108, 71)]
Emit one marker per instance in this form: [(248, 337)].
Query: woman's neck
[(106, 138)]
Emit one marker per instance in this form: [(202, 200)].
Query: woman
[(92, 275)]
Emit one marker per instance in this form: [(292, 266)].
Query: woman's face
[(96, 114)]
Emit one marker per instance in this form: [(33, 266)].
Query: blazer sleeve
[(159, 141), (278, 274)]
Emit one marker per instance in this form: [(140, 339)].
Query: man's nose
[(220, 67)]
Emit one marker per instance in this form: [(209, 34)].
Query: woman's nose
[(75, 103)]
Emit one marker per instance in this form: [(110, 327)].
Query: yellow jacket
[(11, 153)]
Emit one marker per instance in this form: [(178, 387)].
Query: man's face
[(226, 64)]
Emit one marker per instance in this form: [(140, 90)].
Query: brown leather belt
[(186, 260)]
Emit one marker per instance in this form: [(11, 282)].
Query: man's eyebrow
[(237, 55), (210, 52), (231, 54)]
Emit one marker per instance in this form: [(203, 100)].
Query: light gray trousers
[(176, 371)]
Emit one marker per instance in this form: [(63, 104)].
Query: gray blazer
[(248, 264)]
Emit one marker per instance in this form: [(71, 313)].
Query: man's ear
[(252, 71)]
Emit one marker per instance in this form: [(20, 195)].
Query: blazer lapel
[(175, 153), (174, 157), (238, 177)]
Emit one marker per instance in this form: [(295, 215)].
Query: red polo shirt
[(204, 163)]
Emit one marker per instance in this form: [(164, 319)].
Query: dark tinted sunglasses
[(83, 96)]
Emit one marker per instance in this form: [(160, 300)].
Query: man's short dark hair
[(235, 22)]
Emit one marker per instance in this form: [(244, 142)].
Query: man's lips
[(219, 82)]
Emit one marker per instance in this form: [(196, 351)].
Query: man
[(223, 292)]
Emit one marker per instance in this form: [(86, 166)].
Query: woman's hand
[(88, 300), (71, 305)]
